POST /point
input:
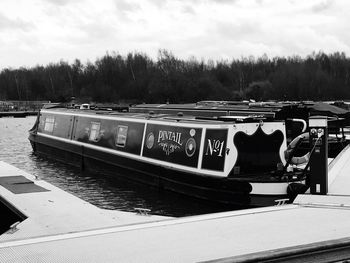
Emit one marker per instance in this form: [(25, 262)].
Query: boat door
[(214, 152)]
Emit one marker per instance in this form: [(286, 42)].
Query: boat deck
[(312, 223)]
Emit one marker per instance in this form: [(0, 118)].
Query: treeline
[(137, 78)]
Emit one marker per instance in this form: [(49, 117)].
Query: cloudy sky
[(42, 31)]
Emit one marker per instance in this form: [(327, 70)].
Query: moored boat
[(235, 159)]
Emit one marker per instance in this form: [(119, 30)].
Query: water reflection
[(101, 190)]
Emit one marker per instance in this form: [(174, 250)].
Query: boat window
[(94, 131), (122, 132), (49, 123)]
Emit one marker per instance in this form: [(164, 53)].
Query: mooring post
[(319, 155)]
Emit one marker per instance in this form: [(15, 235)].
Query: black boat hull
[(222, 190)]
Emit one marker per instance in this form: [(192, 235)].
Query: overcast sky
[(42, 31)]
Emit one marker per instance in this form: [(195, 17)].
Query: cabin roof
[(164, 117), (213, 106), (263, 107)]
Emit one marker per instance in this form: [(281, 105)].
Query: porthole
[(190, 147), (150, 140)]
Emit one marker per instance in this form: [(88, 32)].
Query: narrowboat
[(238, 160)]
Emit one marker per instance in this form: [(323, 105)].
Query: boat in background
[(236, 160), (295, 114)]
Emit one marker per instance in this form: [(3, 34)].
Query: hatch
[(10, 217)]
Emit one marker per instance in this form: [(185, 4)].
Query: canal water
[(103, 191)]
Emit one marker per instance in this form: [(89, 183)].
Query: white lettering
[(215, 146), (209, 148), (169, 136), (221, 147)]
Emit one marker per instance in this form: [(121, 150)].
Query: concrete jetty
[(314, 228), (48, 210)]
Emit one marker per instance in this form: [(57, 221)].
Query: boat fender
[(297, 160), (293, 189)]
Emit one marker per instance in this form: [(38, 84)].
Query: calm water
[(102, 191)]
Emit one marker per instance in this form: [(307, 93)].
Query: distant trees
[(138, 78)]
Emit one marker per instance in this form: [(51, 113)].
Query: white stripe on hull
[(167, 165)]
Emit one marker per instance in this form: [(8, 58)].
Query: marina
[(174, 131), (43, 219)]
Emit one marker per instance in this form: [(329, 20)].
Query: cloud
[(187, 9), (243, 29), (158, 3), (322, 6), (97, 32), (126, 6), (216, 29), (61, 2), (224, 1), (58, 2), (7, 24)]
